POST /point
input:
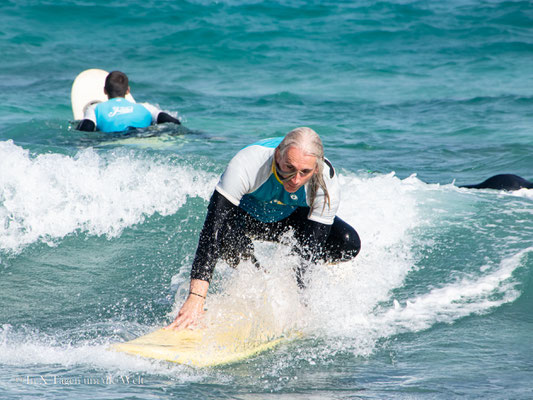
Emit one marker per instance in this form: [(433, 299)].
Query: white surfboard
[(88, 89)]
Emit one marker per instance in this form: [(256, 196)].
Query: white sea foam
[(447, 303), (346, 301), (46, 197), (340, 297), (526, 193), (350, 306), (29, 348)]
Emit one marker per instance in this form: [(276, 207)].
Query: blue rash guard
[(119, 114)]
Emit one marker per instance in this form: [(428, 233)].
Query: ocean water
[(411, 98)]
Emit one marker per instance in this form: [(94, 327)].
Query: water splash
[(46, 197)]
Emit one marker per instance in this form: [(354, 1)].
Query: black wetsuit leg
[(228, 230), (332, 243), (164, 117), (343, 242), (315, 241)]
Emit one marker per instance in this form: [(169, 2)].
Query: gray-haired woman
[(268, 188)]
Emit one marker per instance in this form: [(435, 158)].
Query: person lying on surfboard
[(267, 189), (118, 114)]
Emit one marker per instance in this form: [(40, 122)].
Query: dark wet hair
[(116, 84)]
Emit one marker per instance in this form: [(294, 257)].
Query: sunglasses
[(285, 176)]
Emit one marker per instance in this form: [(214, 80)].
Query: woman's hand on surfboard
[(192, 310)]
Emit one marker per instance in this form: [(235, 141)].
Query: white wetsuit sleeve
[(90, 114), (248, 170), (154, 111)]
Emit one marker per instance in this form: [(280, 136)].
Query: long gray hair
[(308, 141)]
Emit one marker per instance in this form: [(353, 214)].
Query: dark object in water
[(502, 182)]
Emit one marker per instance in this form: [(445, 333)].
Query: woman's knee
[(352, 244), (344, 242)]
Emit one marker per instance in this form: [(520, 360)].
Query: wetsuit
[(250, 202), (503, 182), (119, 114)]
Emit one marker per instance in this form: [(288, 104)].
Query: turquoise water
[(411, 98)]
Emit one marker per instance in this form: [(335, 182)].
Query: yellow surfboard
[(160, 141), (200, 348)]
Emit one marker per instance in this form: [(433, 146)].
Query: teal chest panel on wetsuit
[(271, 202)]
